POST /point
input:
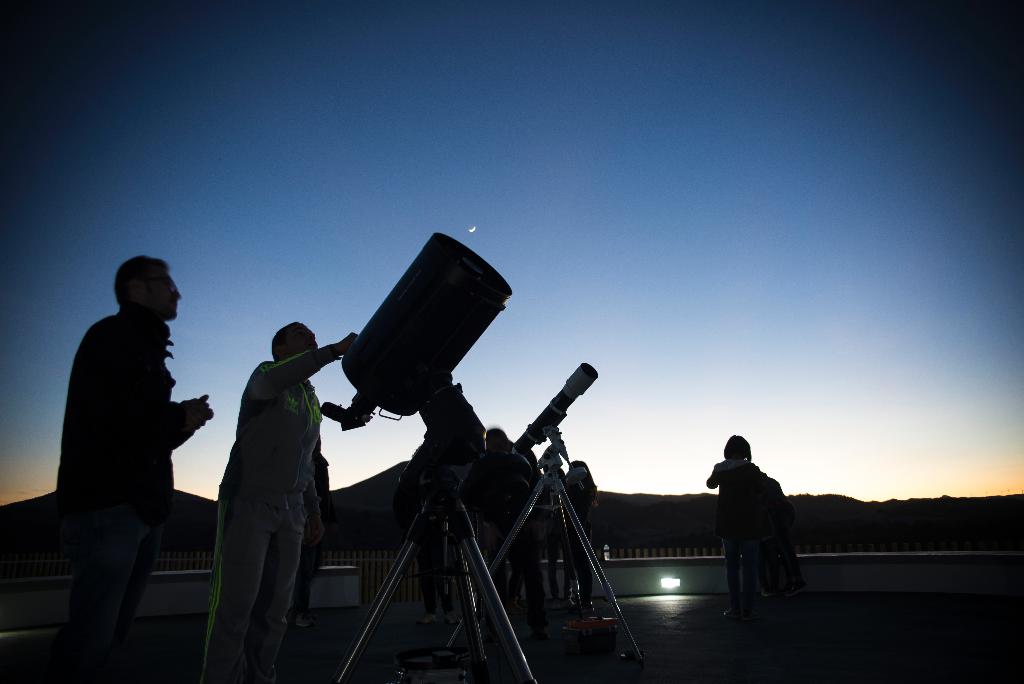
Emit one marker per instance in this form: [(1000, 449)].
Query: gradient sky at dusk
[(798, 222)]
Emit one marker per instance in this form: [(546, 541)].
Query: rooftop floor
[(813, 637)]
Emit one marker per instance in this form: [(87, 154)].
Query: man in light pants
[(267, 506)]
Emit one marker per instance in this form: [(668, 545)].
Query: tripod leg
[(599, 571), (520, 521), (406, 554), (507, 544), (463, 532), (467, 600)]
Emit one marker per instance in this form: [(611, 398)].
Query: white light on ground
[(669, 582)]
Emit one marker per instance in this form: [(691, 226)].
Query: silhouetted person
[(553, 540), (739, 521), (267, 507), (770, 567), (115, 482), (582, 493), (311, 554), (781, 516), (525, 552), (432, 566)]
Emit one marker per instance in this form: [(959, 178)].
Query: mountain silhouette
[(619, 520)]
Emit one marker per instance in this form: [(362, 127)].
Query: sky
[(798, 222)]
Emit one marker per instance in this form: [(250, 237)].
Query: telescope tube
[(578, 383), (419, 334)]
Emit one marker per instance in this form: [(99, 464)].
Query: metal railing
[(374, 564), (810, 549)]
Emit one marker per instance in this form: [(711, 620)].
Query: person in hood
[(740, 522)]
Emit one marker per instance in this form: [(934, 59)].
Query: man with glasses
[(115, 481)]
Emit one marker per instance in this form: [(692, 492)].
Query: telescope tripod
[(551, 464), (445, 511)]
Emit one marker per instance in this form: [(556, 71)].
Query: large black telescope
[(426, 325), (581, 379)]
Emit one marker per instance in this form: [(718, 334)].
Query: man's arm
[(270, 379)]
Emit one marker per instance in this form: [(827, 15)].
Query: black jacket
[(120, 424), (739, 514), (780, 510)]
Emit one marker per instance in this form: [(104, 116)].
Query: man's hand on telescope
[(339, 348), (314, 531), (344, 416)]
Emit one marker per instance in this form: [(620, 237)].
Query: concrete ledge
[(44, 601), (992, 573)]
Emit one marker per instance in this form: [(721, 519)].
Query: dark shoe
[(732, 614), (796, 587), (304, 620), (539, 635), (748, 615)]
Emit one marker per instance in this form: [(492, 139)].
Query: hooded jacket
[(278, 427), (120, 424), (739, 513)]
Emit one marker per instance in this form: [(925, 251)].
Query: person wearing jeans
[(115, 481), (740, 522), (433, 582), (112, 552), (741, 554)]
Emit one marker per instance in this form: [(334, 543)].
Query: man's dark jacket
[(120, 424), (739, 513)]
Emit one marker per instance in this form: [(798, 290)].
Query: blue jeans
[(112, 552), (737, 552)]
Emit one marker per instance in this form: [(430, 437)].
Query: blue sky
[(797, 222)]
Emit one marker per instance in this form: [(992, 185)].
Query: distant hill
[(372, 494), (364, 514), (32, 525), (620, 520)]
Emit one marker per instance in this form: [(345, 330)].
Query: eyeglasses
[(162, 279)]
